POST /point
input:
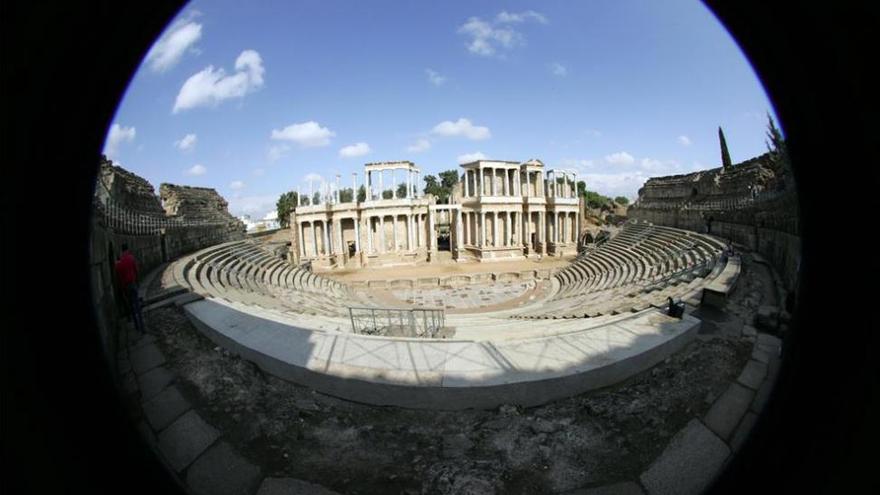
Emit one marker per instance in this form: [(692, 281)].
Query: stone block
[(767, 318), (154, 381), (623, 488), (186, 439), (728, 410), (291, 486), (222, 471), (753, 374), (146, 433), (762, 396), (137, 341), (749, 331), (742, 431), (689, 464), (760, 355), (129, 383), (146, 357), (165, 407), (769, 340)]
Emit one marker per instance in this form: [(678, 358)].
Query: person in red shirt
[(127, 277)]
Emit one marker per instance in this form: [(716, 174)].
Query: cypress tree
[(725, 155)]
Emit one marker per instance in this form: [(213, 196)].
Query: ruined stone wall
[(719, 201), (127, 189), (135, 196), (200, 204)]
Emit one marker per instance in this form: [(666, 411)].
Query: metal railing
[(390, 322)]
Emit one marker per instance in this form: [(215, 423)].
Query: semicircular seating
[(638, 268)]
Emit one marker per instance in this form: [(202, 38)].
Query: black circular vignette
[(65, 67)]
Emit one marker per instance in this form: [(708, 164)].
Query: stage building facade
[(499, 210)]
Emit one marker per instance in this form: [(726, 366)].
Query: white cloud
[(259, 172), (593, 133), (487, 37), (197, 169), (307, 134), (612, 185), (351, 151), (236, 185), (620, 158), (506, 17), (435, 78), (577, 164), (186, 143), (462, 127), (684, 140), (171, 47), (255, 206), (471, 157), (651, 164), (558, 69), (419, 146), (209, 87), (118, 134), (277, 151)]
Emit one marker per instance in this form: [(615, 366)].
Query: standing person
[(127, 276)]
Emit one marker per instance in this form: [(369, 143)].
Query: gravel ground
[(586, 440)]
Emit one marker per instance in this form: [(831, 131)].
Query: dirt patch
[(586, 440)]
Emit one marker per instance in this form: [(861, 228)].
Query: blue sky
[(254, 99)]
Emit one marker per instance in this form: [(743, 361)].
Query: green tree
[(316, 198), (401, 190), (345, 195), (621, 200), (581, 187), (595, 200), (448, 180), (286, 203), (432, 186), (387, 194), (362, 194)]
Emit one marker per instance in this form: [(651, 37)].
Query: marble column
[(340, 248), (394, 232), (459, 241), (432, 243), (315, 238), (482, 229), (382, 246), (354, 189), (542, 234), (357, 236), (381, 187)]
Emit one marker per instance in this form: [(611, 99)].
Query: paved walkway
[(195, 451), (446, 374)]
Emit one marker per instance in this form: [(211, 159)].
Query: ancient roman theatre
[(485, 300)]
